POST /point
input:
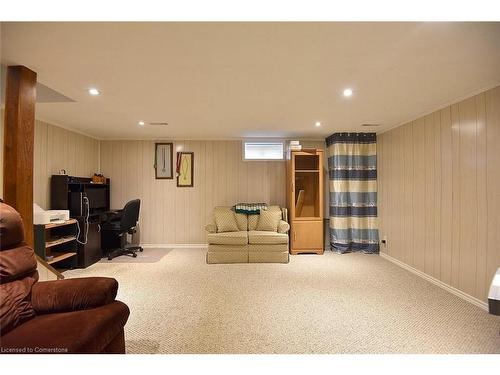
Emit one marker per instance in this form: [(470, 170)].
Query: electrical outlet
[(384, 240)]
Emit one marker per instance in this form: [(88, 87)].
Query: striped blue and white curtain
[(352, 166)]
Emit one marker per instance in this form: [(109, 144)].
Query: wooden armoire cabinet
[(305, 201)]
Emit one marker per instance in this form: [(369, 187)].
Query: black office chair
[(116, 228)]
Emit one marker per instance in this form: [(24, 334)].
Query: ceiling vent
[(370, 125), (158, 123)]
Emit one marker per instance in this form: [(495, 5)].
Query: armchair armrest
[(211, 228), (283, 227), (73, 294)]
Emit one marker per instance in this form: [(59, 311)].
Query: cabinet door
[(307, 235), (306, 185), (91, 252)]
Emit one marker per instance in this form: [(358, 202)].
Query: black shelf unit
[(56, 243), (61, 189)]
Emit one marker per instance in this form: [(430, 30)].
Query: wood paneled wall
[(439, 193), (55, 149), (172, 215)]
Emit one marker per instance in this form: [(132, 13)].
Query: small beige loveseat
[(241, 238)]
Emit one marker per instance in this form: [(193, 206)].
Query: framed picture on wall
[(185, 169), (163, 160)]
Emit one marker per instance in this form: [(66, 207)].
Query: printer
[(41, 216)]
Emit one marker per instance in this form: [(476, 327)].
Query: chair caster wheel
[(109, 258), (141, 249), (134, 255)]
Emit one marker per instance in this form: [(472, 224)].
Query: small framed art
[(163, 160), (185, 169)]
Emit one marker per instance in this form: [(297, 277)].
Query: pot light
[(347, 92), (93, 91), (317, 124), (142, 123)]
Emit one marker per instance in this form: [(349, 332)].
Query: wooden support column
[(19, 133)]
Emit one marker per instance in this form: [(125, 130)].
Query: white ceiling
[(233, 80)]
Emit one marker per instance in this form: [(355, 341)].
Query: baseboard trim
[(433, 280), (175, 245)]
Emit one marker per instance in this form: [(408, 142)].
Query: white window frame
[(263, 140)]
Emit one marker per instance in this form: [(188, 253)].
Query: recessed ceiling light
[(347, 92), (317, 124), (141, 123), (93, 91)]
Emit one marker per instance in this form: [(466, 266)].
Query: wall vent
[(370, 125), (158, 123)]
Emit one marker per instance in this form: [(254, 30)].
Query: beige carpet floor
[(351, 303)]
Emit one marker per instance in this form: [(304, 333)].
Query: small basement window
[(263, 150)]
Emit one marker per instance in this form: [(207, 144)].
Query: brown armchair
[(63, 316)]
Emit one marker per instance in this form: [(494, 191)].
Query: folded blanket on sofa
[(249, 208)]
